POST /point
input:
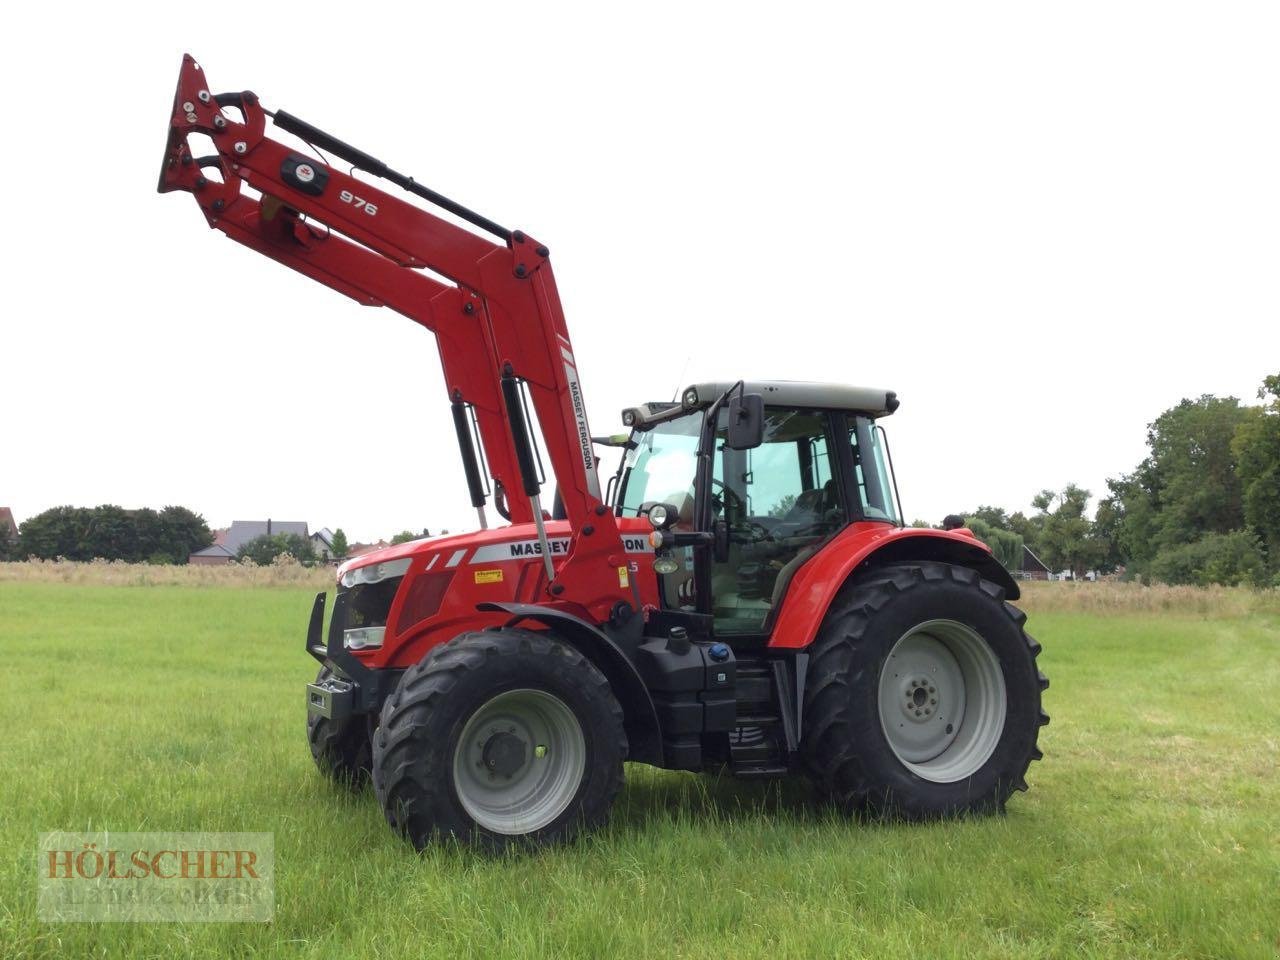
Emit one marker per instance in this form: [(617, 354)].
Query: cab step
[(761, 772)]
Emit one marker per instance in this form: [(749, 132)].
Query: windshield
[(662, 466)]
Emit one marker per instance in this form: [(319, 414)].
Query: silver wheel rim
[(942, 700), (519, 761)]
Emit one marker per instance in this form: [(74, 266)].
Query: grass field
[(1151, 828)]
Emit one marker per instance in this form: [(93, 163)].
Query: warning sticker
[(623, 579), (488, 576)]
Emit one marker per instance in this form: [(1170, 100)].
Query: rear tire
[(499, 738), (341, 748), (923, 696)]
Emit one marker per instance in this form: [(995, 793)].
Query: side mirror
[(746, 422)]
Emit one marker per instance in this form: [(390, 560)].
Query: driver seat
[(812, 505)]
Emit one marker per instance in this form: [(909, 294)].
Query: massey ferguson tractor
[(740, 596)]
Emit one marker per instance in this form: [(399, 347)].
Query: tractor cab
[(808, 459)]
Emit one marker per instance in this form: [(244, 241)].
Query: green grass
[(1150, 829)]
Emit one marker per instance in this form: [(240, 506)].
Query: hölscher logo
[(131, 877)]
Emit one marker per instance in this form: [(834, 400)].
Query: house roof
[(217, 550), (242, 531), (1030, 561), (325, 535), (360, 549)]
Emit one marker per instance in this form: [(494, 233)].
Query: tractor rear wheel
[(923, 696), (341, 748), (497, 738)]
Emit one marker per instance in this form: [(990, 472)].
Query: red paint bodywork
[(816, 582), (522, 580)]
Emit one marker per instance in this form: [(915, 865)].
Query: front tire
[(499, 738), (923, 696)]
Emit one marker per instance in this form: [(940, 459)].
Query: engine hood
[(517, 533)]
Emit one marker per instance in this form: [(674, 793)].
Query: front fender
[(816, 583)]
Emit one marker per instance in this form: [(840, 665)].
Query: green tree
[(58, 532), (110, 534), (264, 549), (1067, 540), (184, 532), (149, 539), (340, 545), (1005, 544), (992, 516), (10, 544), (1106, 530), (1188, 485), (404, 536), (1256, 447), (114, 533), (783, 506), (1028, 528), (1232, 558), (1199, 488)]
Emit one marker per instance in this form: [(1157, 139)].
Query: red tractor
[(741, 596)]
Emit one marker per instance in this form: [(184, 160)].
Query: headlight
[(658, 515), (375, 572), (363, 638)]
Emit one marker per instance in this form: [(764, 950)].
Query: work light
[(363, 638)]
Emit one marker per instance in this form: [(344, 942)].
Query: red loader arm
[(498, 323)]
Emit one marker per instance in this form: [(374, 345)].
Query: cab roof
[(871, 401)]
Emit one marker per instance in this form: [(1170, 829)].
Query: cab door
[(776, 504)]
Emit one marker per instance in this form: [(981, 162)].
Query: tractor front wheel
[(499, 737), (923, 696)]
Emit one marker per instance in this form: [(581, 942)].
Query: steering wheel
[(716, 501), (754, 532), (746, 530)]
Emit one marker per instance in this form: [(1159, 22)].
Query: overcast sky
[(1040, 224)]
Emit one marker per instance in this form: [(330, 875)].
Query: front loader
[(740, 596)]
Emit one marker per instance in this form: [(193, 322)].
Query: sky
[(1040, 224)]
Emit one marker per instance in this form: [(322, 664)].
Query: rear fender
[(863, 546), (644, 735)]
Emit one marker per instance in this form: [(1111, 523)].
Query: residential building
[(227, 543)]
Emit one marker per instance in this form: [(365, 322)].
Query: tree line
[(1202, 507), (168, 535)]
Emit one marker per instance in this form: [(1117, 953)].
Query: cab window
[(780, 502)]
